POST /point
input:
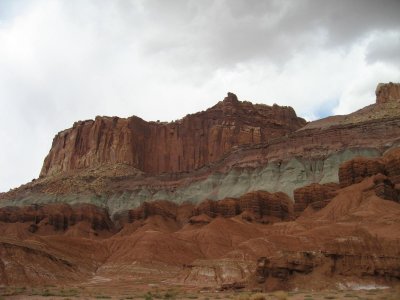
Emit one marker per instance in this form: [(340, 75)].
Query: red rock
[(318, 195), (392, 165), (355, 170), (259, 204), (387, 92), (385, 189), (183, 145), (59, 216)]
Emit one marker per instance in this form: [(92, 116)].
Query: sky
[(64, 61)]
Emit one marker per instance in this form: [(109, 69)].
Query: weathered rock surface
[(318, 195), (259, 204), (392, 165), (347, 257), (183, 145), (280, 159), (217, 243), (357, 169), (58, 216), (387, 92)]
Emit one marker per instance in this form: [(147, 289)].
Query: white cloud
[(63, 61)]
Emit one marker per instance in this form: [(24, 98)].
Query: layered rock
[(318, 195), (271, 161), (259, 204), (385, 189), (392, 165), (353, 258), (58, 216), (183, 145), (355, 170)]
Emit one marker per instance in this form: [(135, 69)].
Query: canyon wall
[(157, 147), (102, 162)]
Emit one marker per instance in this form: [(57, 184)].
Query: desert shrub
[(243, 296), (258, 296), (280, 295), (148, 296)]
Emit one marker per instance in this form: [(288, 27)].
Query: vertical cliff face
[(183, 145), (387, 92)]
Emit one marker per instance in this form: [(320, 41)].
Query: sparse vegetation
[(243, 296), (148, 296), (47, 293), (280, 295), (258, 296)]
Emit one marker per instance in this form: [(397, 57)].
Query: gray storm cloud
[(63, 61)]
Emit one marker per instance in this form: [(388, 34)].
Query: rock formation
[(207, 201), (387, 92), (255, 206), (318, 195), (157, 147), (260, 205), (355, 170), (58, 216), (96, 163)]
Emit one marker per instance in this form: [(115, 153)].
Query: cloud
[(384, 47), (63, 61)]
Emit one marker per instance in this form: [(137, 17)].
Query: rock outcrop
[(237, 243), (157, 147), (259, 205), (254, 206), (348, 258), (357, 169), (59, 216), (206, 201), (317, 195), (387, 92), (392, 165)]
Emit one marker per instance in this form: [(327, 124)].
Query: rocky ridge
[(158, 147), (281, 158)]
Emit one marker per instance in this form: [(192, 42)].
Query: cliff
[(206, 202), (156, 147), (387, 92)]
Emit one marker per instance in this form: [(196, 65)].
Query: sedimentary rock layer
[(157, 147)]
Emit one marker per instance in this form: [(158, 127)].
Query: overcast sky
[(63, 61)]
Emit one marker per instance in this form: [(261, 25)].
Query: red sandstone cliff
[(183, 145), (388, 92)]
